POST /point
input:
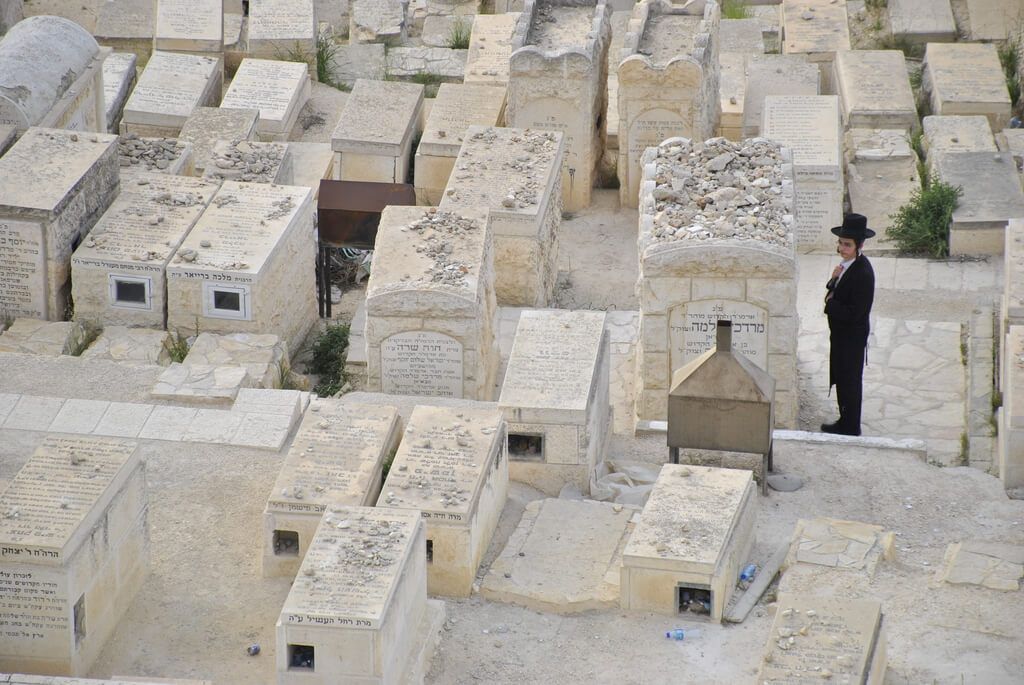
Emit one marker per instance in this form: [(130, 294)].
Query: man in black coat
[(850, 294)]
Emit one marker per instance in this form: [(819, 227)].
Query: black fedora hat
[(855, 227)]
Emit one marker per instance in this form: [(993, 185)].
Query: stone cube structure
[(208, 125), (874, 89), (881, 175), (699, 266), (966, 78), (153, 155), (252, 162), (490, 47), (955, 133), (119, 75), (118, 273), (283, 27), (668, 83), (817, 29), (557, 76), (379, 21), (279, 90), (922, 21), (170, 89), (555, 398), (451, 467), (431, 313), (195, 26), (74, 549), (774, 75), (126, 26), (694, 535)]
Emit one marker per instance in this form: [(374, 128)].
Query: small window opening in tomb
[(245, 8), (693, 600), (79, 616), (226, 302), (301, 657), (522, 447), (430, 551), (130, 292), (286, 543)]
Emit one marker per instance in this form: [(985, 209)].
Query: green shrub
[(1009, 58), (735, 9), (922, 225), (458, 34), (328, 360), (177, 347)]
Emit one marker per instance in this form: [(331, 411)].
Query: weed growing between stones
[(1009, 58), (328, 360), (458, 34), (177, 347), (922, 225), (735, 9)]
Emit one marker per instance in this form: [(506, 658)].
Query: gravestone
[(966, 78), (456, 108), (378, 21), (207, 125), (740, 40), (54, 185), (451, 467), (1012, 312), (922, 21), (833, 543), (874, 89), (247, 265), (126, 26), (373, 138), (431, 314), (952, 133), (118, 273), (991, 197), (514, 173), (731, 261), (334, 460), (279, 90), (1010, 440), (265, 357), (557, 77), (283, 27), (818, 29), (348, 618), (72, 554), (118, 80), (555, 399), (695, 533), (995, 566), (668, 83), (775, 75), (490, 48), (413, 62), (195, 26), (881, 176), (358, 61), (170, 89), (994, 19), (153, 155), (619, 24), (252, 162), (809, 125)]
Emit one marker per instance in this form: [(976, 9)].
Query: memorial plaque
[(22, 269), (809, 126), (817, 208), (282, 20), (421, 363), (34, 613), (277, 89), (692, 330), (170, 88), (646, 130), (196, 25)]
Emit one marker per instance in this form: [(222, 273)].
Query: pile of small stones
[(721, 189), (245, 161), (444, 228), (152, 153), (372, 543), (527, 155)]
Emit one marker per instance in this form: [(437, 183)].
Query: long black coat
[(848, 311)]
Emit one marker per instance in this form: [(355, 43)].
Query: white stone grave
[(695, 534), (358, 60), (874, 89), (378, 21), (335, 459), (490, 47), (668, 83), (557, 77), (119, 76), (49, 338), (252, 162), (54, 185), (992, 20), (451, 467), (818, 29), (283, 27), (73, 554), (740, 40), (991, 197), (195, 26), (881, 176), (966, 78), (279, 90), (555, 399), (775, 75), (373, 138), (952, 133), (247, 265), (153, 155), (619, 24), (126, 26), (1012, 311), (207, 125), (170, 89), (431, 314), (1010, 437), (514, 173), (349, 619), (118, 273), (696, 269), (922, 21), (456, 108)]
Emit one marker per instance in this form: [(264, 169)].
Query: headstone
[(153, 155), (412, 62), (698, 268), (694, 535), (118, 273), (874, 89), (170, 89), (348, 619), (247, 265), (439, 29), (74, 548), (810, 126), (335, 460), (555, 399), (456, 108), (277, 89), (620, 24), (48, 338), (1012, 313), (966, 78), (131, 345), (922, 21), (514, 173), (54, 185), (126, 26), (668, 84), (373, 139), (490, 47), (358, 61), (119, 76), (207, 125), (265, 357), (245, 160), (557, 82), (881, 176), (952, 133), (189, 26), (378, 21), (994, 19), (283, 27), (740, 40), (991, 197), (818, 29), (1010, 440), (451, 467), (775, 75)]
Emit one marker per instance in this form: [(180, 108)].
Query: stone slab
[(379, 118), (263, 356), (189, 26), (119, 76), (277, 89), (207, 125), (991, 196), (490, 47), (279, 27), (775, 75), (847, 545), (131, 346), (200, 383), (874, 89), (994, 19), (251, 162), (922, 21), (48, 338), (966, 78), (358, 61), (170, 89), (954, 133), (819, 28), (126, 25), (991, 565)]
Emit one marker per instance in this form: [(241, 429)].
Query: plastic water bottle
[(681, 634), (748, 573)]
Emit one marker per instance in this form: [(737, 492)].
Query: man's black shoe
[(837, 428)]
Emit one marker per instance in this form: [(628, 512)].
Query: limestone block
[(200, 383), (119, 76), (409, 62), (994, 19), (131, 345), (358, 61), (848, 545), (282, 27), (263, 356), (874, 89), (922, 21), (278, 89), (79, 416), (189, 26), (126, 26), (33, 413), (881, 175), (52, 339), (991, 565), (153, 155), (252, 162), (818, 29), (171, 87), (207, 125), (378, 21), (952, 133), (966, 78), (991, 196), (490, 47), (377, 127)]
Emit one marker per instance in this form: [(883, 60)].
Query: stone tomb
[(874, 89), (966, 78), (335, 460), (189, 26), (994, 19), (264, 357), (118, 273), (126, 26), (775, 75), (456, 108), (373, 138), (279, 90), (514, 173), (358, 609), (620, 24), (953, 133), (1010, 440), (809, 126), (832, 639), (54, 185), (207, 125), (490, 47), (246, 160), (818, 29), (555, 399), (282, 27), (698, 268), (171, 87), (668, 83), (119, 76), (922, 21), (247, 265), (74, 548), (694, 535), (557, 81), (451, 467), (378, 21), (153, 155), (881, 175), (431, 314), (1012, 311)]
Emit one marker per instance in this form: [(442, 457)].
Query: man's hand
[(838, 271)]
